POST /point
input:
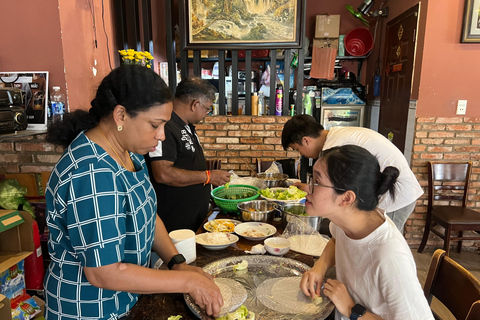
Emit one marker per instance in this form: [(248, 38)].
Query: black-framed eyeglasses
[(312, 185), (207, 109)]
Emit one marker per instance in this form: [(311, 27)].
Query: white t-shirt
[(380, 273), (407, 187)]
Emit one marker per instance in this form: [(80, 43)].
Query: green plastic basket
[(230, 205)]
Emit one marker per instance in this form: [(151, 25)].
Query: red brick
[(476, 141), (275, 154), (432, 141), (449, 120), (251, 140), (263, 133), (35, 169), (204, 126), (471, 134), (236, 133), (215, 119), (282, 119), (433, 127), (252, 127), (48, 158), (227, 126), (293, 154), (419, 148), (421, 134), (215, 146), (6, 146), (15, 158), (431, 156), (265, 119), (209, 153), (471, 120), (274, 127), (425, 120), (262, 147), (238, 147), (240, 119), (28, 146), (227, 140), (252, 154), (216, 133), (230, 167), (439, 149), (204, 140), (273, 141), (466, 149), (459, 156), (464, 127), (457, 141), (228, 154), (441, 134)]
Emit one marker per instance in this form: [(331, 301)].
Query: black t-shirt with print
[(181, 207)]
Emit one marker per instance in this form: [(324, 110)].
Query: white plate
[(248, 229), (216, 225), (200, 239), (282, 201), (311, 244)]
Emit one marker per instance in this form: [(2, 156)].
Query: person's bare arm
[(164, 172)]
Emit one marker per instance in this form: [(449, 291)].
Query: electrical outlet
[(462, 107)]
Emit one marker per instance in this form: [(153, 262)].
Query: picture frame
[(229, 24), (471, 22), (34, 87)]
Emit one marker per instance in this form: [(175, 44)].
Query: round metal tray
[(260, 268)]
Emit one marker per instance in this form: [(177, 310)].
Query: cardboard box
[(16, 238), (6, 311), (327, 26), (325, 43)]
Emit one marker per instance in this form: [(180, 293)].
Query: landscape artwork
[(247, 23)]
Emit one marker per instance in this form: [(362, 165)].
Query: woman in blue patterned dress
[(102, 207)]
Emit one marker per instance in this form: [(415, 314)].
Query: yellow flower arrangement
[(130, 56)]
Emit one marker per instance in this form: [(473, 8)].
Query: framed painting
[(471, 22), (34, 87), (246, 24)]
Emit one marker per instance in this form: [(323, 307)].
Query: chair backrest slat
[(452, 285), (448, 181)]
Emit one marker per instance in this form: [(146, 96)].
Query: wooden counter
[(161, 306)]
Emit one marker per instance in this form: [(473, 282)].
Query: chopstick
[(250, 166)]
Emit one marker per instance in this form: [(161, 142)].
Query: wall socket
[(462, 107)]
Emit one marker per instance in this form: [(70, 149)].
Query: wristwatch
[(357, 311), (176, 259)]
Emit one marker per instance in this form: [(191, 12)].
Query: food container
[(223, 197), (273, 180), (257, 210), (295, 210)]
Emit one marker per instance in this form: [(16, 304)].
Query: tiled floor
[(469, 260)]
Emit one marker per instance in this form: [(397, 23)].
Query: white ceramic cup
[(184, 241)]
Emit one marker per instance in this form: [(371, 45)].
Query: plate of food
[(221, 225), (283, 195), (255, 230), (215, 240)]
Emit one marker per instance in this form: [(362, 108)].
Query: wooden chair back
[(288, 166), (453, 286), (214, 164), (448, 181)]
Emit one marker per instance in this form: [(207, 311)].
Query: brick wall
[(240, 138), (443, 139)]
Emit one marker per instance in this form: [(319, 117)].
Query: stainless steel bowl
[(257, 210), (273, 180), (295, 210)]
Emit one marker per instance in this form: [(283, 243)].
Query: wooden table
[(161, 306)]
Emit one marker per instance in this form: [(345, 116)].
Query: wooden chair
[(288, 166), (448, 182), (453, 286)]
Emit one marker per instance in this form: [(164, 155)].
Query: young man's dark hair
[(298, 127)]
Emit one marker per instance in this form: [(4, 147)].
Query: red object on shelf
[(358, 42), (260, 53), (34, 271)]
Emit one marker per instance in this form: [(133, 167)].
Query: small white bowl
[(202, 237), (277, 246)]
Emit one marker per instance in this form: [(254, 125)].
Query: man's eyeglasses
[(312, 184), (207, 109)]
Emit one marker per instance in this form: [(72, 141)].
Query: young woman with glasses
[(375, 270)]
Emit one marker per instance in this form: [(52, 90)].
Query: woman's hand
[(206, 295), (312, 281), (338, 293)]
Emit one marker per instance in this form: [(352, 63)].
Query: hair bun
[(387, 181)]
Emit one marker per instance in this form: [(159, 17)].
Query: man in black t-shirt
[(177, 167)]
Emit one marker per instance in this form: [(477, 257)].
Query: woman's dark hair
[(351, 167), (135, 87), (298, 127)]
